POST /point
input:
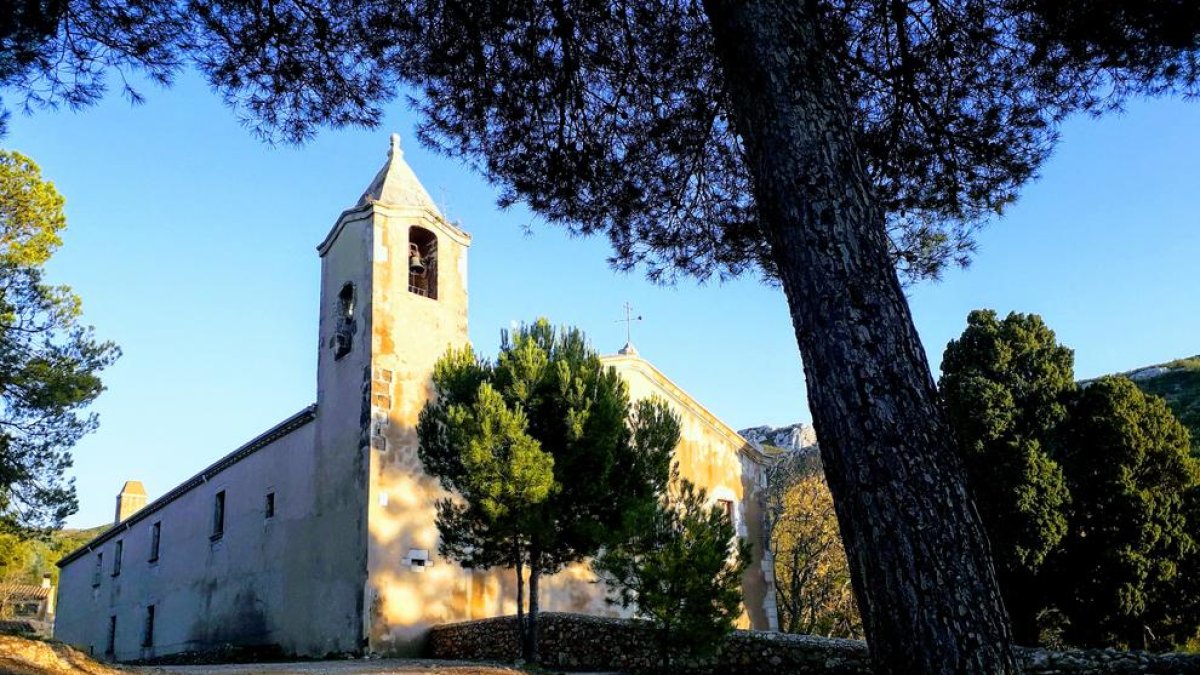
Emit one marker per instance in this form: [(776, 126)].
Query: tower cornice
[(415, 214)]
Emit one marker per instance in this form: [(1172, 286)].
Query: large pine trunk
[(919, 558)]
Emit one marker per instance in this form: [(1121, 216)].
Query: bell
[(415, 266)]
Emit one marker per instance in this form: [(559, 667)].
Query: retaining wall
[(576, 642)]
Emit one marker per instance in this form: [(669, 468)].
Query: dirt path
[(19, 656), (34, 657)]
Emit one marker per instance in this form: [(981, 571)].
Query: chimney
[(130, 500), (46, 581)]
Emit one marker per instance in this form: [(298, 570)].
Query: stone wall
[(575, 642)]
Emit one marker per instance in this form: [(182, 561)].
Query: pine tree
[(547, 458), (49, 362), (683, 573)]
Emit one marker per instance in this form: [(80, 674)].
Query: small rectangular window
[(117, 559), (269, 507), (727, 509), (218, 528), (155, 537), (98, 570), (111, 646), (148, 632)]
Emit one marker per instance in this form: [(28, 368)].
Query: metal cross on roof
[(629, 319)]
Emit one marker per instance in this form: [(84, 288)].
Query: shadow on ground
[(19, 656)]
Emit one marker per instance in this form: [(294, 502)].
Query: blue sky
[(192, 246)]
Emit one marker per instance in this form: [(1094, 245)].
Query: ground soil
[(19, 656), (347, 667)]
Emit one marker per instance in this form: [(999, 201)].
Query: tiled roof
[(12, 592)]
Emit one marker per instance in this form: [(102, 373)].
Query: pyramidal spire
[(396, 184)]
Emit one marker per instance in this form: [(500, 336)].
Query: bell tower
[(393, 290), (393, 301)]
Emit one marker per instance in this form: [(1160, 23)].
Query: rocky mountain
[(797, 436)]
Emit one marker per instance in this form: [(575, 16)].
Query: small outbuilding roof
[(11, 592)]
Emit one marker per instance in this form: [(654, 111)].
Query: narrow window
[(99, 569), (148, 631), (269, 507), (111, 646), (218, 528), (343, 332), (422, 262), (155, 537), (346, 302), (117, 559)]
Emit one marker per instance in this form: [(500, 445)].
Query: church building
[(318, 537)]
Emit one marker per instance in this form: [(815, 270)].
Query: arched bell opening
[(422, 262)]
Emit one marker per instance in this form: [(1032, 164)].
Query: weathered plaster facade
[(713, 456), (319, 537), (252, 583)]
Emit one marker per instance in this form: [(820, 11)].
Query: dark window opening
[(148, 632), (270, 505), (110, 647), (155, 537), (99, 569), (422, 262), (343, 331), (218, 528), (117, 559), (727, 509), (27, 609), (346, 301)]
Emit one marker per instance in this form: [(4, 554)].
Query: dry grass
[(19, 656)]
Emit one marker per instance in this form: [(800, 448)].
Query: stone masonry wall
[(576, 642)]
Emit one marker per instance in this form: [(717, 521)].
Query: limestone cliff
[(1176, 381), (799, 436)]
